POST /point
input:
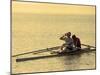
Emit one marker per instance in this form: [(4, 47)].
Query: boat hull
[(55, 54)]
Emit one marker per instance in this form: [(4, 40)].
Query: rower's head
[(68, 34), (74, 37)]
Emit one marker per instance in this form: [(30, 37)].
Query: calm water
[(37, 31)]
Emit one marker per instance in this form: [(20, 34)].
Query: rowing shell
[(55, 54)]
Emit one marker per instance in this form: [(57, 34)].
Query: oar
[(46, 50), (38, 51), (88, 46)]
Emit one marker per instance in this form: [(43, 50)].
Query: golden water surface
[(39, 25)]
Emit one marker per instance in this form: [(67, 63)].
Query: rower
[(68, 42), (77, 42)]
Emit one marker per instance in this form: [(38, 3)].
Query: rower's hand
[(62, 38)]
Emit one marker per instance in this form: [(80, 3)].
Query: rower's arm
[(62, 38)]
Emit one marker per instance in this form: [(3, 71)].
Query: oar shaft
[(42, 50), (88, 45)]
